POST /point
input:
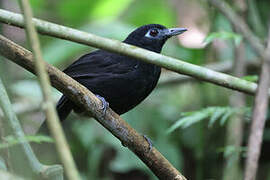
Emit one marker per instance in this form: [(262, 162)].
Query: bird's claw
[(105, 104), (149, 142)]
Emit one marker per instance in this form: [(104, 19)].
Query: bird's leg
[(149, 142), (105, 104)]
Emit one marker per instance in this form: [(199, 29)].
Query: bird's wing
[(105, 74), (97, 64)]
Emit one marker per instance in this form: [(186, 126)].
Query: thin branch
[(258, 117), (133, 51), (172, 78), (159, 165), (52, 118), (239, 24)]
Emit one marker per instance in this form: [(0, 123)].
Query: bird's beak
[(174, 31)]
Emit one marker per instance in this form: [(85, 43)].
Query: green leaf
[(217, 113), (189, 120), (214, 113), (226, 116), (225, 35)]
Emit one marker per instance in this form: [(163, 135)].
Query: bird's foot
[(105, 104), (149, 142)]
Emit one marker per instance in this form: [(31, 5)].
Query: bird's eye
[(153, 32)]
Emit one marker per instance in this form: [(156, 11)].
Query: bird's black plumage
[(123, 81)]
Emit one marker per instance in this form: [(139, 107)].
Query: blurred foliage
[(229, 150), (12, 141), (194, 146), (213, 113), (223, 35)]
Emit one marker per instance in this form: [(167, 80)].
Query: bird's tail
[(64, 107)]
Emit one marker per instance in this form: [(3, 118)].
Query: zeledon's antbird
[(122, 81)]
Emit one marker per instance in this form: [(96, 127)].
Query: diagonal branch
[(172, 78), (169, 63), (52, 118), (258, 117), (159, 165)]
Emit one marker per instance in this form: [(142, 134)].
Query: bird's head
[(152, 36)]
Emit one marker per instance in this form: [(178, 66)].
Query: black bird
[(123, 81)]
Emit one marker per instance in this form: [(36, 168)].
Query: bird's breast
[(146, 79), (133, 90)]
